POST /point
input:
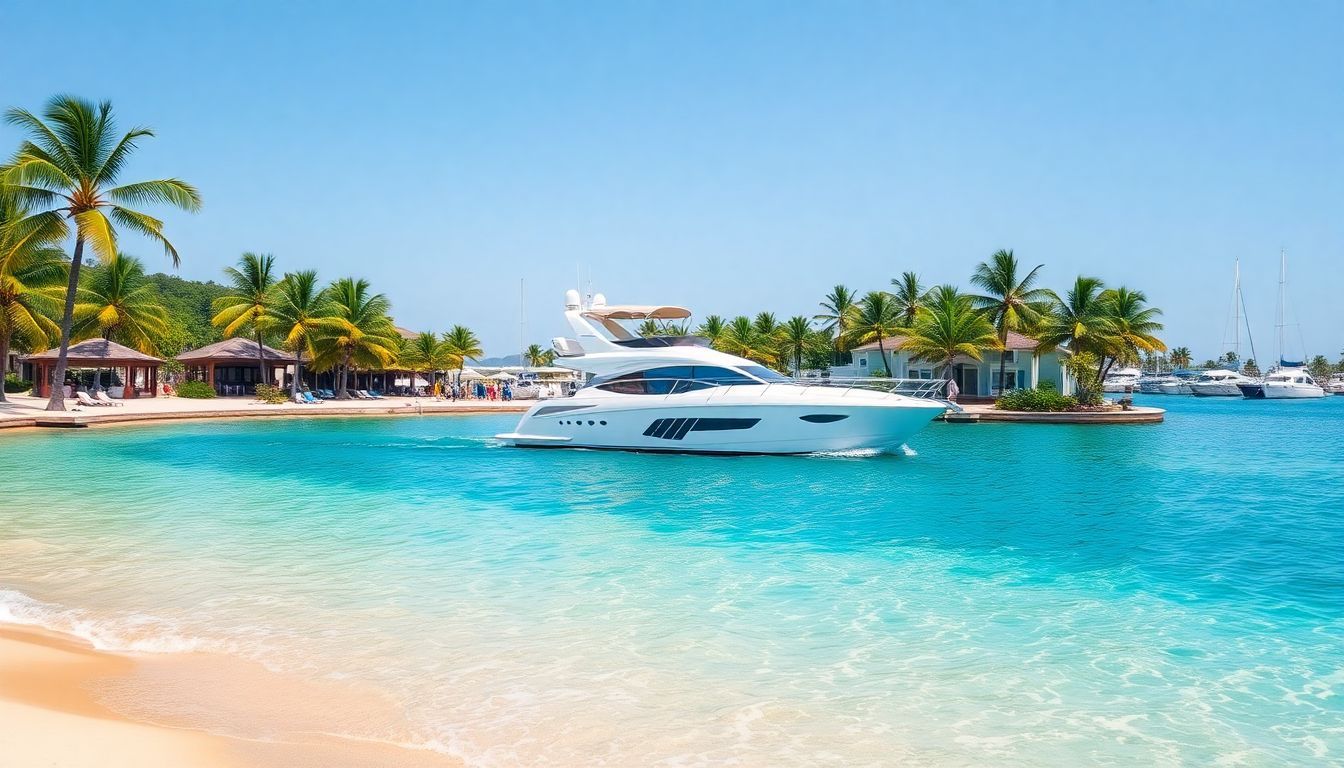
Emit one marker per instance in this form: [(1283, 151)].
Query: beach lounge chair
[(362, 395), (375, 395), (298, 398), (103, 399), (370, 395), (308, 398), (84, 399), (326, 394)]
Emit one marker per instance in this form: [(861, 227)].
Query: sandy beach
[(25, 411), (64, 705)]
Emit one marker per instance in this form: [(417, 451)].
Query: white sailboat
[(1290, 380)]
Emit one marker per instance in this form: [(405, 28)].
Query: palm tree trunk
[(298, 371), (1003, 359), (342, 393), (885, 362), (6, 338), (261, 362), (57, 400)]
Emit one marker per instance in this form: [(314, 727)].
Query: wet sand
[(64, 704)]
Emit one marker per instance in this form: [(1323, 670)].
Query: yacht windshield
[(672, 379), (765, 374)]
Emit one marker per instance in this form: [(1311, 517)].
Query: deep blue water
[(1003, 594)]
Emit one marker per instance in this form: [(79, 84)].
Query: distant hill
[(500, 361)]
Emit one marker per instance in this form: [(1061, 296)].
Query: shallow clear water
[(1002, 594)]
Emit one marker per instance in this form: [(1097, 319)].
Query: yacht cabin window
[(673, 379)]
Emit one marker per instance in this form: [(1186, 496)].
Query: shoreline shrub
[(1035, 401), (14, 385), (198, 390)]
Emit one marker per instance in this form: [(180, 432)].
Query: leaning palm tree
[(875, 319), (949, 326), (1078, 319), (298, 310), (32, 280), (247, 307), (798, 337), (360, 334), (837, 308), (1134, 324), (1011, 304), (462, 345), (66, 172), (909, 297)]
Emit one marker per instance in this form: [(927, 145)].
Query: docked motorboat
[(1335, 385), (1284, 384), (1125, 380), (1175, 383), (675, 394), (1219, 383)]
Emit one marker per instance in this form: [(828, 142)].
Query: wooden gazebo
[(142, 371), (231, 365)]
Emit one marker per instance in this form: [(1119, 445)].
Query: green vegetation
[(274, 395), (1038, 400), (15, 385), (32, 272), (198, 390), (65, 173)]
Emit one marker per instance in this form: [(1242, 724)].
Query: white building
[(1024, 367)]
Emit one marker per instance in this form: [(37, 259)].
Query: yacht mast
[(1278, 312), (1236, 309)]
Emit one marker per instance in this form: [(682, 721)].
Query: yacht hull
[(696, 426), (1219, 389), (1290, 392)]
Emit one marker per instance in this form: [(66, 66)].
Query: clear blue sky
[(733, 157)]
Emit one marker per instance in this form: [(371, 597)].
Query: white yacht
[(1335, 385), (1219, 383), (675, 394), (1284, 384), (1124, 380), (1177, 382)]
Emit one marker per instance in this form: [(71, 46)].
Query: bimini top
[(637, 312)]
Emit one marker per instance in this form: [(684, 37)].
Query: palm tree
[(428, 353), (909, 297), (360, 333), (837, 308), (949, 326), (1180, 357), (117, 302), (32, 273), (1009, 303), (741, 338), (298, 310), (68, 168), (1078, 319), (798, 337), (875, 319), (712, 330), (248, 307), (1134, 325), (537, 357), (462, 345)]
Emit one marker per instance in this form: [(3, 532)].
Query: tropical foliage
[(359, 334), (246, 308), (32, 273), (65, 175)]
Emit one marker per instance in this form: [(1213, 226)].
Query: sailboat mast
[(1236, 309), (1278, 312), (522, 322)]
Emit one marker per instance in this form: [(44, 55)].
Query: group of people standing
[(479, 389)]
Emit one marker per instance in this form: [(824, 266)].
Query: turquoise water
[(1000, 595)]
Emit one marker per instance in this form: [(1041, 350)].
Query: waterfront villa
[(1025, 367), (133, 374)]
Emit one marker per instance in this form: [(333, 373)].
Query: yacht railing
[(924, 389)]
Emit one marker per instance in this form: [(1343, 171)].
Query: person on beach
[(952, 391)]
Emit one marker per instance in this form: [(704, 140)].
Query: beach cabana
[(139, 372), (230, 366)]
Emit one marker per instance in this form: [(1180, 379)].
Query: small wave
[(136, 633)]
